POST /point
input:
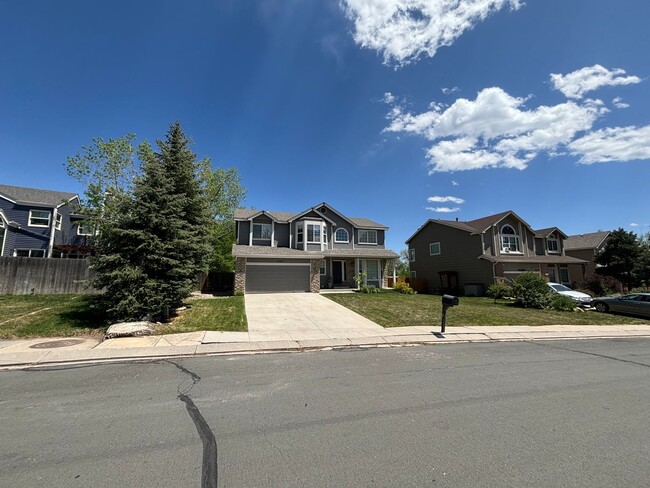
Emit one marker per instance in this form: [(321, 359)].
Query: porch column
[(356, 269)]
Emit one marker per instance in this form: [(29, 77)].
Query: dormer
[(549, 242)]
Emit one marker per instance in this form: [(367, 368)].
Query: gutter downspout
[(50, 246)]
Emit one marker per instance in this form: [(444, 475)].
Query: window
[(313, 233), (300, 232), (262, 232), (29, 253), (341, 235), (509, 239), (59, 218), (367, 236), (552, 245), (434, 248), (323, 268), (414, 274), (85, 229), (39, 218), (2, 236), (411, 255)]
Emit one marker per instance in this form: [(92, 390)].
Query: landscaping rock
[(128, 329)]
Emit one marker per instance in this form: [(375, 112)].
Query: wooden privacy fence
[(418, 284), (24, 276)]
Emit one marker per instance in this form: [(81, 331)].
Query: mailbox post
[(447, 301)]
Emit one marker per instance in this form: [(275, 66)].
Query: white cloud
[(494, 130), (613, 144), (404, 30), (454, 183), (619, 103), (577, 83), (443, 209), (445, 199), (449, 91), (388, 98), (634, 225)]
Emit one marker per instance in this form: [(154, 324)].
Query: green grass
[(224, 314), (50, 316), (396, 310)]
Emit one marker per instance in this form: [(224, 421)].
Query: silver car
[(632, 303)]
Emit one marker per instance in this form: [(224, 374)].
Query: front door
[(552, 276), (564, 275), (337, 272)]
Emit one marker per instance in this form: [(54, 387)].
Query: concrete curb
[(44, 358)]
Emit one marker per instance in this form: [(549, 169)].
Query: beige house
[(466, 257), (586, 246)]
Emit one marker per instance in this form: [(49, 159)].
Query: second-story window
[(367, 236), (85, 229), (39, 218), (341, 235), (59, 218), (553, 245), (262, 232), (299, 231), (314, 233), (411, 255), (509, 239)]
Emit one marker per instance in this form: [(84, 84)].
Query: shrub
[(402, 287), (239, 293), (640, 289), (601, 285), (530, 290), (498, 291), (562, 303)]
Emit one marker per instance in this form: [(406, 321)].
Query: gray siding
[(282, 235), (488, 242), (262, 219), (243, 234), (340, 223), (540, 250), (459, 252), (587, 255)]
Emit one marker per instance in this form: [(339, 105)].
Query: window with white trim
[(314, 233), (299, 231), (59, 219), (85, 229), (39, 218), (509, 239), (553, 245), (367, 236), (434, 249), (262, 232), (414, 274), (323, 268), (411, 255), (3, 232), (29, 253), (341, 235)]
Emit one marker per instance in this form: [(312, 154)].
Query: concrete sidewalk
[(32, 352)]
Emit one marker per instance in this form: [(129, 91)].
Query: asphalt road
[(551, 414)]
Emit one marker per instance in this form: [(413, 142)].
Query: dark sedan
[(633, 304)]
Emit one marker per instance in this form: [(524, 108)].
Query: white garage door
[(278, 278)]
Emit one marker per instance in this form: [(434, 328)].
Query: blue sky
[(344, 102)]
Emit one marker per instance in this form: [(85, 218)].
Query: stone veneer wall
[(240, 274), (314, 274), (350, 273), (388, 272)]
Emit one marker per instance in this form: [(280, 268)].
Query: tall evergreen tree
[(620, 256), (148, 260)]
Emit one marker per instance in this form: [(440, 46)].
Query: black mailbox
[(449, 300)]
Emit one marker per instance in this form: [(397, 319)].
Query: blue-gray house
[(306, 251), (41, 224)]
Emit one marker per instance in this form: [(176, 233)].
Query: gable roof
[(592, 240), (23, 195), (484, 223), (542, 233), (285, 217), (450, 223)]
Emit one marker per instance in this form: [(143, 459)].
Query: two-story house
[(306, 251), (469, 256), (40, 223), (586, 246)]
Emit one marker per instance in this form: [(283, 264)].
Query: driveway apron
[(304, 316)]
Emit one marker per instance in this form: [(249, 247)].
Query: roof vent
[(323, 209)]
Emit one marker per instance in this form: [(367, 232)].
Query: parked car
[(577, 296), (632, 303)]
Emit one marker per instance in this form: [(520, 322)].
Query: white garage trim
[(277, 264)]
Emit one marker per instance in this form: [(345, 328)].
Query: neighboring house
[(469, 256), (586, 246), (40, 224), (307, 251)]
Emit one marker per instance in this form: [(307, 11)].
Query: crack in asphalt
[(209, 468), (604, 356)]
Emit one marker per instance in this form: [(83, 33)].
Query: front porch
[(338, 273)]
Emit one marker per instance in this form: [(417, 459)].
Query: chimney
[(456, 219)]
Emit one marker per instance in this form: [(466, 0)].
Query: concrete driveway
[(304, 316)]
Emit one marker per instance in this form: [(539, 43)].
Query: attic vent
[(323, 209)]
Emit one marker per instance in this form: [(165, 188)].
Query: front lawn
[(392, 309), (223, 314), (50, 316)]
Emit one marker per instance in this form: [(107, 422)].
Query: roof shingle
[(25, 195)]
